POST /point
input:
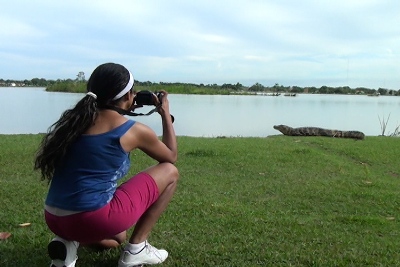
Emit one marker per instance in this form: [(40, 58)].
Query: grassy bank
[(173, 88), (276, 201)]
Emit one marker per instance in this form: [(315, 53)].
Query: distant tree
[(214, 85), (323, 90), (276, 87), (343, 90), (227, 86), (312, 90), (80, 77), (372, 92), (147, 83), (382, 91), (236, 86), (257, 87), (35, 81), (338, 90), (297, 89)]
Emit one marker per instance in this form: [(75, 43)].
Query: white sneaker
[(62, 253), (148, 255)]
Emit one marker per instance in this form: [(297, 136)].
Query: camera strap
[(131, 113)]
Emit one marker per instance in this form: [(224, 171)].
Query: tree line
[(79, 85), (276, 88)]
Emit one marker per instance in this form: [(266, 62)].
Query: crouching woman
[(86, 152)]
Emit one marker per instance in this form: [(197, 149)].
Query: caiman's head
[(282, 128)]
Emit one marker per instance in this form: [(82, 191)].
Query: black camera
[(145, 98)]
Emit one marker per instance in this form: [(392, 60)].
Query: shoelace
[(151, 249)]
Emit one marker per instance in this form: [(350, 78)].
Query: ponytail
[(72, 123)]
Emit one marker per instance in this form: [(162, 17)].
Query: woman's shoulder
[(141, 128), (109, 123), (136, 135)]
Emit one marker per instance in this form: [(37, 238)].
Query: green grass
[(172, 88), (276, 201)]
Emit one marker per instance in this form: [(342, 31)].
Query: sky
[(352, 43)]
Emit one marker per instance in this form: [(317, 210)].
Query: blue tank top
[(87, 177)]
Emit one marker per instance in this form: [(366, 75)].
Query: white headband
[(127, 88)]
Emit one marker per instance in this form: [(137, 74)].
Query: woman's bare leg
[(109, 243), (166, 176)]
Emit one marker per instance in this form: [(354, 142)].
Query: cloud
[(14, 30), (343, 42)]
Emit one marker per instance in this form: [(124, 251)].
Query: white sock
[(135, 248)]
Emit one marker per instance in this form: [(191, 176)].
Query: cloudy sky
[(289, 42)]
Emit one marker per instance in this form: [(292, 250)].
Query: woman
[(84, 154)]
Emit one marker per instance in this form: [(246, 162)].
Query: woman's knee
[(173, 172), (164, 174), (169, 172)]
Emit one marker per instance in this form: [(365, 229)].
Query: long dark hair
[(106, 81)]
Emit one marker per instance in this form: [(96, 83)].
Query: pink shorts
[(130, 201)]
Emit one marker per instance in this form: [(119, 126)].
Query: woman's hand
[(163, 106)]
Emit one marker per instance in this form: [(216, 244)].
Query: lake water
[(33, 110)]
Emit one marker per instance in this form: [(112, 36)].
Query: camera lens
[(144, 98)]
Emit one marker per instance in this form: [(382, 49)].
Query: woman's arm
[(168, 138), (143, 137), (147, 141)]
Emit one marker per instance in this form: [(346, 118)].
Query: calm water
[(33, 110)]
